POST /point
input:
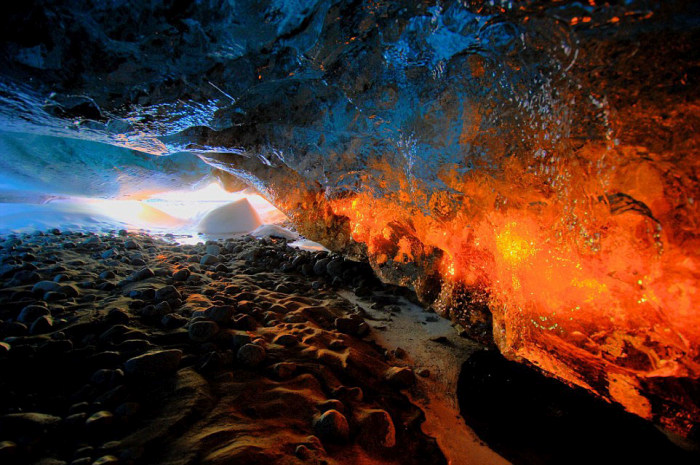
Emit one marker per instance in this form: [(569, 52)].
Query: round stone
[(251, 355), (332, 426)]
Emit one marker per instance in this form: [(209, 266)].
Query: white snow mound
[(234, 217)]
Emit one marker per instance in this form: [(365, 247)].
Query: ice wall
[(529, 167)]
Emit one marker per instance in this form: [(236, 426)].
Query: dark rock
[(219, 313), (251, 355), (13, 328), (332, 426), (31, 312), (110, 253), (54, 296), (99, 421), (302, 452), (131, 244), (8, 452), (45, 286), (173, 320), (336, 267), (140, 275), (82, 461), (107, 358), (331, 404), (106, 460), (108, 274), (401, 377), (117, 316), (377, 431), (203, 330), (23, 277), (156, 311), (32, 424), (75, 421), (239, 340), (80, 407), (347, 325), (320, 266), (154, 363), (107, 377), (127, 411), (209, 260), (166, 293), (181, 275), (50, 461), (41, 325), (363, 329), (284, 370)]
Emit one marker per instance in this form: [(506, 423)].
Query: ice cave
[(341, 232)]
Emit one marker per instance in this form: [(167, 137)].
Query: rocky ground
[(133, 350), (129, 349)]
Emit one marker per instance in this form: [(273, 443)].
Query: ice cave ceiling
[(529, 167)]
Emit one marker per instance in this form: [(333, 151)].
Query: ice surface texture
[(530, 168)]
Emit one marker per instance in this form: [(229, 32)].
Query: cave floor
[(125, 348)]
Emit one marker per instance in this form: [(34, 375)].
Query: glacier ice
[(528, 167)]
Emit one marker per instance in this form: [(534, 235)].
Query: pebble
[(31, 312), (82, 461), (302, 452), (167, 292), (140, 275), (320, 266), (32, 424), (173, 320), (219, 313), (50, 461), (284, 370), (106, 460), (127, 411), (24, 277), (203, 330), (332, 426), (347, 325), (156, 311), (213, 249), (99, 420), (209, 260), (377, 430), (131, 244), (401, 377), (117, 316), (107, 275), (154, 363), (181, 275), (8, 450), (331, 404), (107, 377), (251, 355), (41, 325), (46, 286), (111, 253)]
